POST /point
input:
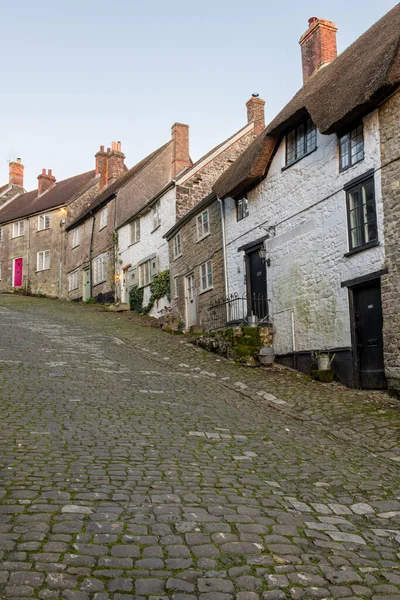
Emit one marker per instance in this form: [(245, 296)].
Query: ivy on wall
[(159, 287)]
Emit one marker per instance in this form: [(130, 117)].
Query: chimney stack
[(16, 173), (45, 181), (102, 167), (318, 46), (116, 164), (180, 141), (255, 113)]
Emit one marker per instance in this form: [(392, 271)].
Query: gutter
[(222, 205)]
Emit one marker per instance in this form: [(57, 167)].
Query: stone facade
[(390, 158), (196, 252), (300, 212)]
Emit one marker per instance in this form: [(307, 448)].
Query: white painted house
[(304, 216)]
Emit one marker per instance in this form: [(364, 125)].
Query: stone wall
[(390, 156), (194, 253)]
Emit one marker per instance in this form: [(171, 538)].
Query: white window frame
[(43, 260), (1, 234), (177, 245), (134, 228), (203, 224), (206, 271), (73, 280), (75, 237), (43, 222), (103, 218), (18, 229), (144, 270), (156, 215), (1, 269), (176, 287), (100, 269)]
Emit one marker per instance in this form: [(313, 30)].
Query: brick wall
[(390, 155), (191, 190), (194, 253)]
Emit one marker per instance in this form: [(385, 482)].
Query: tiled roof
[(62, 193)]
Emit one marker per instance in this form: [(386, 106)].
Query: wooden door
[(190, 301), (257, 284), (368, 335), (17, 275)]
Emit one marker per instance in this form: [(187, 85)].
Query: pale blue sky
[(78, 74)]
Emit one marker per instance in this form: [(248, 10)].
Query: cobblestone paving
[(134, 466)]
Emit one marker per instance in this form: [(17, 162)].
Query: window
[(177, 245), (1, 277), (135, 231), (176, 286), (103, 218), (300, 141), (43, 222), (100, 269), (156, 215), (1, 234), (73, 280), (351, 148), (75, 237), (361, 215), (43, 260), (203, 225), (144, 273), (206, 274), (242, 208), (18, 229)]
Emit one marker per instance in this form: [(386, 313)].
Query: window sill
[(15, 237), (45, 229), (241, 218), (346, 169), (176, 257), (361, 248), (205, 291), (298, 159), (73, 247), (99, 282), (203, 237), (104, 227), (41, 270), (155, 228), (133, 243)]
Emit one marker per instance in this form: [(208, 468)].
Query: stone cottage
[(32, 233), (143, 249), (196, 263), (315, 186)]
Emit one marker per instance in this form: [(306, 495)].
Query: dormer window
[(351, 148), (300, 141)]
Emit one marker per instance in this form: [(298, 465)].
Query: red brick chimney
[(318, 46), (45, 181), (116, 164), (102, 166), (180, 140), (255, 113), (16, 173)]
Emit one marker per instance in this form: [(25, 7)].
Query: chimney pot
[(45, 181), (16, 173), (318, 46), (115, 161)]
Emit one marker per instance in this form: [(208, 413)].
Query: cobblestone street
[(134, 465)]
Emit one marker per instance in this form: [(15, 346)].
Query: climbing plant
[(136, 299), (159, 287)]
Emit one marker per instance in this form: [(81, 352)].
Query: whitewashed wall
[(151, 243), (306, 206)]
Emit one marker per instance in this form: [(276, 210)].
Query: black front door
[(368, 335), (257, 284)]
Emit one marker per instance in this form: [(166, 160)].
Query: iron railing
[(236, 310)]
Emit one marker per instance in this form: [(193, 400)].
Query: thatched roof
[(348, 88)]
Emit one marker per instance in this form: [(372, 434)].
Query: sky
[(80, 74)]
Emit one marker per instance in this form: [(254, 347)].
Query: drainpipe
[(90, 255), (115, 246), (27, 257), (222, 205)]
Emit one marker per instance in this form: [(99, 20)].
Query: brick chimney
[(116, 164), (255, 113), (180, 140), (45, 181), (16, 173), (318, 46), (102, 166)]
